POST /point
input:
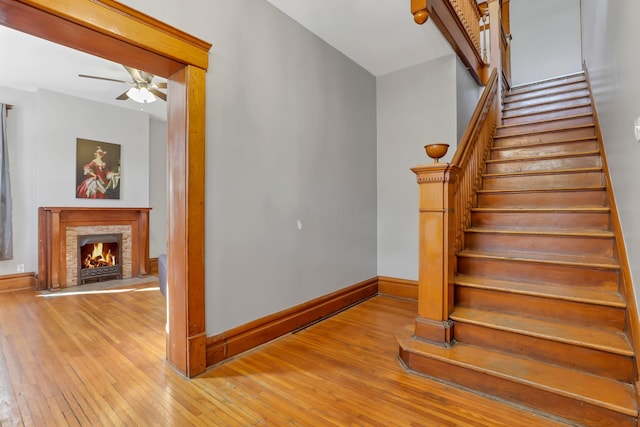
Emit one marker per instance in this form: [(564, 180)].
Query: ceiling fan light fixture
[(141, 95)]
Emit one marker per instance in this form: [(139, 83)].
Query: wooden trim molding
[(245, 337), (632, 320), (113, 31), (16, 282), (402, 288), (153, 266)]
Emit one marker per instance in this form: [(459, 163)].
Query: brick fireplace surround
[(59, 227)]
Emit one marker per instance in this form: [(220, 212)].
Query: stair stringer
[(626, 283)]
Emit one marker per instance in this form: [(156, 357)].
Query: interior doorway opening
[(118, 33)]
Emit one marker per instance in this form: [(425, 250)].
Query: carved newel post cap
[(436, 151)]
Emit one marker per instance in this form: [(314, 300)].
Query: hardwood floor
[(99, 360)]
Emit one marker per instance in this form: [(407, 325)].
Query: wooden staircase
[(539, 318)]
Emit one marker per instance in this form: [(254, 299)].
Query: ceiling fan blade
[(159, 94), (101, 78), (123, 97), (139, 76), (161, 85), (135, 74)]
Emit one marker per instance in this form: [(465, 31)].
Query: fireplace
[(99, 257), (61, 230)]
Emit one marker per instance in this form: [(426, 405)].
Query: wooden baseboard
[(153, 266), (398, 287), (245, 337), (15, 282)]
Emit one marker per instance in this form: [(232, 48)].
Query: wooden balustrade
[(470, 16), (465, 23), (446, 194), (472, 154)]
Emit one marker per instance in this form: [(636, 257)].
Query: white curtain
[(6, 231)]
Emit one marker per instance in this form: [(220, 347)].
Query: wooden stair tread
[(550, 88), (543, 157), (607, 340), (540, 143), (602, 392), (546, 232), (546, 106), (557, 259), (566, 293), (542, 172), (539, 190), (545, 121), (534, 99), (556, 81), (594, 209), (540, 131)]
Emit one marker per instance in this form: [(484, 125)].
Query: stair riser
[(533, 151), (529, 243), (555, 125), (596, 362), (553, 180), (551, 199), (559, 136), (542, 93), (545, 273), (557, 96), (524, 394), (528, 118), (545, 107), (556, 221), (551, 86), (539, 307), (546, 164)]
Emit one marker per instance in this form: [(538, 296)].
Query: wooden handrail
[(472, 153)]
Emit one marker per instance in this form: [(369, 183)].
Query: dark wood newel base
[(435, 332)]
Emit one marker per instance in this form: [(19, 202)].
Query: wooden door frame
[(110, 30)]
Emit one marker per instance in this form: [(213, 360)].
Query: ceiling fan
[(143, 88)]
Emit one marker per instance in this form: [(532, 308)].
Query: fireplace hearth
[(99, 257)]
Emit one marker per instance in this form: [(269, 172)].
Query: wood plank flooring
[(98, 360)]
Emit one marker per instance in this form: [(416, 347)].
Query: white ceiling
[(380, 36)]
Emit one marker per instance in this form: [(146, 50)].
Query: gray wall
[(467, 95), (611, 34), (157, 188), (546, 39), (291, 137), (416, 106)]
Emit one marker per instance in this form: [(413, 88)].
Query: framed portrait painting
[(97, 170)]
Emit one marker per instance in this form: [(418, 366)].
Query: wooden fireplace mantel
[(52, 228)]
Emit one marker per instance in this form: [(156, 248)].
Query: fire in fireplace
[(99, 257)]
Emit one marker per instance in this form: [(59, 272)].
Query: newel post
[(436, 184)]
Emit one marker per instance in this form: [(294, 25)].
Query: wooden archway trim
[(118, 33)]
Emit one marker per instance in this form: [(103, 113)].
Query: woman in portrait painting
[(98, 178)]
